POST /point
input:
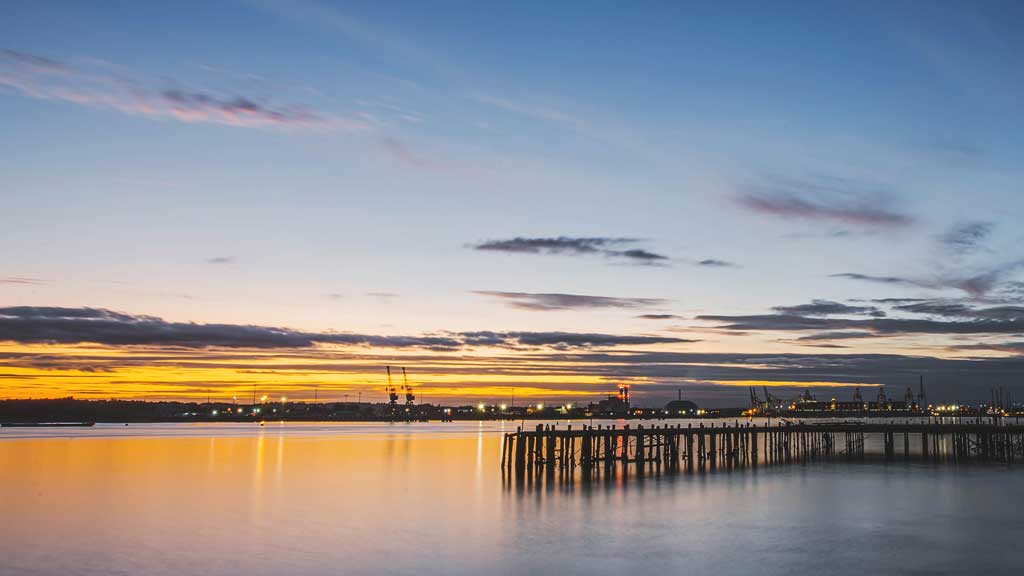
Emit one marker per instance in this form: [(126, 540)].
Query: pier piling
[(547, 448)]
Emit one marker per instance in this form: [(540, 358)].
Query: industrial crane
[(409, 397), (770, 402), (392, 393)]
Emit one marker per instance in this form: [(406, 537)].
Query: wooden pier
[(590, 451)]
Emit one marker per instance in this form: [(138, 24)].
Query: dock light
[(503, 407), (480, 407), (568, 406), (540, 406), (214, 412)]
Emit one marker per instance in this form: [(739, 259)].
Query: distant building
[(681, 408), (615, 405)]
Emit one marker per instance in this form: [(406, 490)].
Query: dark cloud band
[(30, 324)]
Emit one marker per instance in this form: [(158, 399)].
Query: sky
[(522, 199)]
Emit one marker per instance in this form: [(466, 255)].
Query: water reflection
[(429, 499)]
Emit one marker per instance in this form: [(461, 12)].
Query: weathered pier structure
[(590, 451)]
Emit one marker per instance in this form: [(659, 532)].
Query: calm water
[(430, 499)]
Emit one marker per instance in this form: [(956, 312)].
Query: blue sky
[(338, 166)]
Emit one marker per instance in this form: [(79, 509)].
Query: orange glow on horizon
[(150, 373)]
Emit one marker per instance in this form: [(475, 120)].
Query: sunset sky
[(540, 200)]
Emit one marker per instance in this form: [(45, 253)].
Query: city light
[(502, 407)]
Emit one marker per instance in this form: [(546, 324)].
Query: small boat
[(46, 424)]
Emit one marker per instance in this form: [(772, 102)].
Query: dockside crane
[(392, 394), (755, 402), (770, 402), (410, 398)]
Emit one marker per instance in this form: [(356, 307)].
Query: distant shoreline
[(70, 410)]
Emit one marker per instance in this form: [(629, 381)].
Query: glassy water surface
[(431, 499)]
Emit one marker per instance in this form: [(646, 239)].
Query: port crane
[(392, 394), (755, 402), (770, 402), (410, 398)]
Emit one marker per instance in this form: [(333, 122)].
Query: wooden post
[(713, 440), (753, 446), (639, 452), (549, 458), (689, 449), (520, 451)]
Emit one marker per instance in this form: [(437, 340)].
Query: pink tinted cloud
[(96, 86)]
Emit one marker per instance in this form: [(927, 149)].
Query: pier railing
[(590, 450)]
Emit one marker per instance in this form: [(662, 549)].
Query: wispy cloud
[(22, 280), (934, 308), (558, 301), (563, 340), (873, 278), (612, 247), (980, 286), (1012, 347), (639, 255), (829, 308), (837, 336), (89, 84), (1009, 324), (960, 309), (714, 263), (530, 110), (401, 152), (826, 199), (659, 317), (967, 238), (980, 282), (381, 39), (891, 300), (221, 260), (559, 245)]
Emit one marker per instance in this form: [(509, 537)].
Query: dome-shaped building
[(681, 408)]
